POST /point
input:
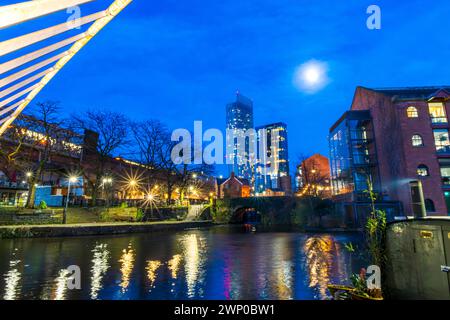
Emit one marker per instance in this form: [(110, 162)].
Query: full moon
[(311, 76)]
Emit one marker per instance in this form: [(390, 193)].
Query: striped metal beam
[(15, 63), (22, 73), (11, 108), (22, 84), (25, 11), (11, 112), (21, 42)]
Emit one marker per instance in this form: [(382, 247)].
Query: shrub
[(42, 205), (139, 215)]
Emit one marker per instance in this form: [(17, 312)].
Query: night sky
[(180, 61)]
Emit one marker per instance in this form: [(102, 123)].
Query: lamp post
[(106, 181), (71, 180)]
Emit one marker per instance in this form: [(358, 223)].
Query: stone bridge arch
[(273, 210)]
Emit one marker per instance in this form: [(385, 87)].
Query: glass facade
[(239, 116), (273, 156), (352, 154), (441, 140)]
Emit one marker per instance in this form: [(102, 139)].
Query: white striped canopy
[(27, 65)]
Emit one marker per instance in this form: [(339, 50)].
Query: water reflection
[(174, 265), (12, 279), (127, 264), (61, 285), (152, 267), (319, 261), (213, 264), (99, 268), (283, 269), (191, 250)]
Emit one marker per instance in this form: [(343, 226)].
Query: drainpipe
[(418, 201)]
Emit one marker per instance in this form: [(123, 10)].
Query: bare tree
[(313, 179), (11, 146), (47, 135), (112, 130), (150, 139), (182, 176)]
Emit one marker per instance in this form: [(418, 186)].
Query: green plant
[(42, 205), (349, 246), (375, 229), (123, 205), (139, 215), (359, 282)]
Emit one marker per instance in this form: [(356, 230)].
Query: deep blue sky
[(180, 61)]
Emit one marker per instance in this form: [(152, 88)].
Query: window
[(429, 205), (412, 112), (422, 171), (442, 141), (437, 112), (445, 174), (417, 140)]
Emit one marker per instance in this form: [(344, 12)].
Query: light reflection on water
[(127, 264), (216, 263), (12, 280), (99, 268)]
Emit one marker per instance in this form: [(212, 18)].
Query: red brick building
[(313, 177), (396, 137), (233, 187)]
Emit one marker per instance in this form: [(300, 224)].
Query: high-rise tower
[(239, 118)]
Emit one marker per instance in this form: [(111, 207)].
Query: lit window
[(422, 171), (412, 112), (437, 112), (441, 140), (417, 140)]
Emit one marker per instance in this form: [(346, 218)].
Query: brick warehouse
[(395, 136)]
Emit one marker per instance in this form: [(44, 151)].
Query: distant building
[(272, 166), (239, 116), (313, 177), (233, 187), (397, 139)]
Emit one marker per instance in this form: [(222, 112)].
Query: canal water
[(214, 263)]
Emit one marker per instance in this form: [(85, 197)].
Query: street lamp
[(132, 183), (72, 179), (106, 181)]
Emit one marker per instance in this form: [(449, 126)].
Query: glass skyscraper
[(239, 117), (272, 168)]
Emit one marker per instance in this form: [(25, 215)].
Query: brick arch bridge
[(273, 210)]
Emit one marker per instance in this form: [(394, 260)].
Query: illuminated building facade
[(313, 177), (397, 138), (239, 117), (272, 165)]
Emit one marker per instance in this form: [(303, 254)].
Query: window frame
[(412, 112), (421, 141), (423, 167), (429, 202)]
